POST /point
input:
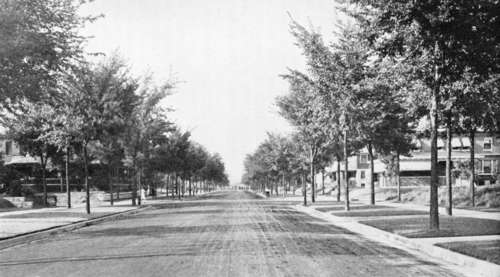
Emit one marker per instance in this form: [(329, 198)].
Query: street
[(220, 234)]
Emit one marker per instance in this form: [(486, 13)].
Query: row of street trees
[(394, 65), (62, 108)]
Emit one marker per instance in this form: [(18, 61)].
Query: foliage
[(40, 42)]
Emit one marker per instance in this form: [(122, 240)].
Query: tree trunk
[(339, 175), (43, 163), (323, 181), (139, 184), (448, 164), (283, 184), (346, 157), (178, 186), (134, 188), (433, 211), (68, 189), (472, 137), (190, 187), (372, 183), (110, 184), (86, 169), (304, 189), (313, 181), (61, 185), (398, 179)]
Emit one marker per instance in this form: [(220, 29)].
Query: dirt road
[(223, 234)]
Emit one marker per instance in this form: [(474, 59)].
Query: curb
[(472, 266), (47, 232)]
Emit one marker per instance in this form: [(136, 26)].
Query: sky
[(226, 55)]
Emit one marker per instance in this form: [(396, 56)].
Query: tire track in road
[(213, 237)]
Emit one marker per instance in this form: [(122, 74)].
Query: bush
[(9, 177)]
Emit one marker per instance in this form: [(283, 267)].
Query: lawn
[(53, 215), (488, 250), (379, 212), (362, 207), (449, 226)]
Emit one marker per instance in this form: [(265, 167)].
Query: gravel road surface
[(221, 234)]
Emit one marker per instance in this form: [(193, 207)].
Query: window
[(8, 147), (487, 144), (416, 145), (440, 144), (486, 166), (363, 158), (465, 143), (456, 144), (363, 175)]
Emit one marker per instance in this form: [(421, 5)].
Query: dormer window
[(487, 144)]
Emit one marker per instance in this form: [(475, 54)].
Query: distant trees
[(279, 161)]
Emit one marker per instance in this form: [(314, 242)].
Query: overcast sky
[(226, 53)]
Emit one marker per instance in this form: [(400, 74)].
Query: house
[(13, 156), (486, 152), (415, 169), (359, 170)]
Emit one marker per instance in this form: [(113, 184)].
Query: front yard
[(488, 250), (417, 227)]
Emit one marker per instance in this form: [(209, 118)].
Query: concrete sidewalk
[(426, 246), (18, 222)]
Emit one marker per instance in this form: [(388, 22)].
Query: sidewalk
[(401, 224), (18, 222)]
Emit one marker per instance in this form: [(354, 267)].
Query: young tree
[(334, 73), (101, 100), (60, 132), (27, 130), (477, 104), (147, 121), (302, 109)]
